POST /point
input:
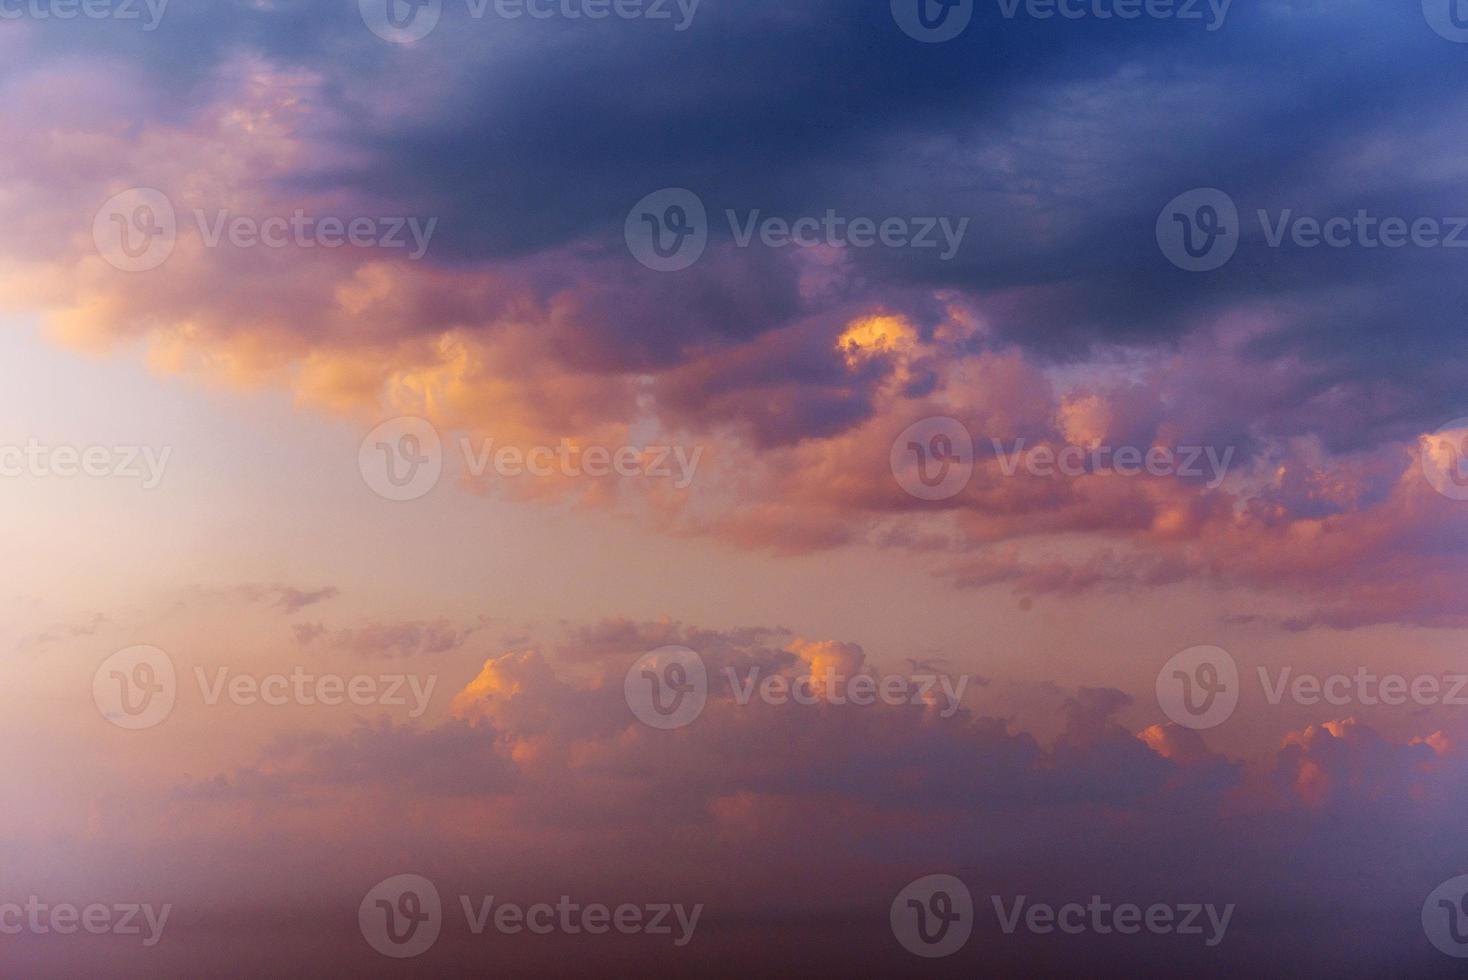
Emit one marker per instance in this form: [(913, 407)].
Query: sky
[(844, 486)]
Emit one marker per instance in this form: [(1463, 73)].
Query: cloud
[(527, 321), (561, 767), (408, 638), (287, 598)]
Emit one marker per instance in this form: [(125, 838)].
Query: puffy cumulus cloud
[(1324, 532), (829, 659), (779, 810), (793, 370), (577, 740), (1247, 506), (1183, 746), (406, 638), (520, 695), (766, 810), (1343, 763)]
